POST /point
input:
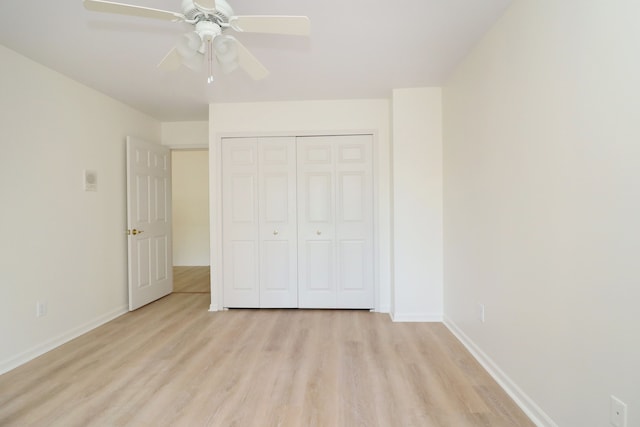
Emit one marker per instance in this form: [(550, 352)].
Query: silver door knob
[(275, 232), (318, 232)]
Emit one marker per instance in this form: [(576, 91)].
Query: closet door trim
[(215, 185)]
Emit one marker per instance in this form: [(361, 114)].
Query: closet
[(297, 222)]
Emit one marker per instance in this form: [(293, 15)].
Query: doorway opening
[(190, 221)]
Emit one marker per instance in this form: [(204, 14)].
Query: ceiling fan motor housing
[(208, 30), (196, 11)]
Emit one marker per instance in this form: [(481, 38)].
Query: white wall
[(58, 243), (542, 200), (417, 204), (190, 207), (185, 135), (307, 117)]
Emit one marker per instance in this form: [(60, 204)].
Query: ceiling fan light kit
[(188, 45), (226, 52), (211, 18)]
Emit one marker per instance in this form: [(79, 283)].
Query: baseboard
[(415, 317), (383, 309), (533, 411), (191, 265), (39, 350), (214, 308)]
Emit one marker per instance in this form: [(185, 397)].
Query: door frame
[(215, 205), (194, 147)]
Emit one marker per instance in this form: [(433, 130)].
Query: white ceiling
[(357, 49)]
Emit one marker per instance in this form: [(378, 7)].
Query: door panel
[(259, 217), (319, 154), (278, 244), (319, 197), (240, 270), (352, 264), (276, 152), (276, 196), (142, 254), (352, 153), (316, 234), (161, 191), (243, 265), (243, 207), (354, 221), (318, 275), (335, 228), (276, 266), (142, 201), (319, 265), (243, 154), (162, 257), (351, 197), (149, 213)]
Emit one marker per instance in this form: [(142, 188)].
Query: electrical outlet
[(41, 308), (481, 312), (618, 416)]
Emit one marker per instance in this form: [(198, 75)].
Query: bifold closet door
[(277, 213), (259, 222), (240, 223), (335, 222)]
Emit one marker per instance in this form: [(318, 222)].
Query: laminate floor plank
[(173, 363), (192, 279)]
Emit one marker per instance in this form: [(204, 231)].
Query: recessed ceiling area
[(357, 49)]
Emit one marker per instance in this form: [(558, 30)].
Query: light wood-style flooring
[(173, 363), (192, 279)]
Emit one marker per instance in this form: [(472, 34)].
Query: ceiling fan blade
[(171, 61), (208, 5), (131, 10), (195, 63), (250, 63), (290, 25)]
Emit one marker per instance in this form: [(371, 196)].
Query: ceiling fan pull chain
[(210, 60)]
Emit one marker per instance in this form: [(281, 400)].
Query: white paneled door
[(149, 222), (335, 222), (240, 239), (259, 222), (297, 222), (277, 213)]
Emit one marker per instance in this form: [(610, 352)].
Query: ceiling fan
[(208, 42)]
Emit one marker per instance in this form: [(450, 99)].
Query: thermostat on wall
[(90, 180)]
